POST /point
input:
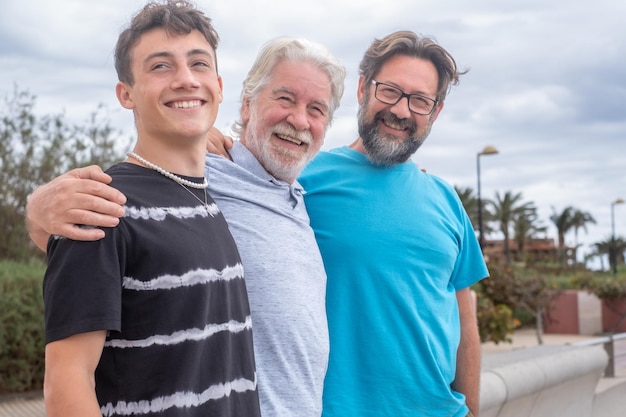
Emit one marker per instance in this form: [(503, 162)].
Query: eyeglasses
[(389, 94)]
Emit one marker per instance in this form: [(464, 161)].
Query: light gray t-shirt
[(285, 277)]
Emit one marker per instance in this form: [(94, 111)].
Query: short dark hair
[(177, 17)]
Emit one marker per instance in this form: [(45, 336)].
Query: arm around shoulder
[(218, 144), (78, 197)]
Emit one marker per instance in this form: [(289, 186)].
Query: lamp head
[(488, 150)]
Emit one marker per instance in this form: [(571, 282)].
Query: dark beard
[(388, 150)]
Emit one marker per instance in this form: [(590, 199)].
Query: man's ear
[(245, 111), (360, 92), (221, 83), (124, 96)]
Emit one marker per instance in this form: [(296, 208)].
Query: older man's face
[(285, 124)]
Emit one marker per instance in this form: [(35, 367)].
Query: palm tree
[(579, 221), (504, 210), (592, 255), (564, 222), (605, 247), (526, 226), (619, 246), (470, 203)]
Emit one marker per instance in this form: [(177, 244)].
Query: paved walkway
[(32, 405), (527, 337), (22, 406)]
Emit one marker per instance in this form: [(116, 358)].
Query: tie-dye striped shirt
[(168, 285)]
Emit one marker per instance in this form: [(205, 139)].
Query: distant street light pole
[(613, 249), (489, 150)]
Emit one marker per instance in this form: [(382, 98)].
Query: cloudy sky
[(546, 83)]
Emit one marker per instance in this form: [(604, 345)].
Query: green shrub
[(22, 341), (495, 321), (514, 296), (603, 286)]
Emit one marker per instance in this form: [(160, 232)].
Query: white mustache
[(286, 132)]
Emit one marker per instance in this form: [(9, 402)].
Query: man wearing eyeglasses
[(399, 250)]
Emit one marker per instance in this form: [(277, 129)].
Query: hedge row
[(22, 341)]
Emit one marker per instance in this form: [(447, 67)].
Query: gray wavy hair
[(292, 49)]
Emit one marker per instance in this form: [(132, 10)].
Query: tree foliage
[(570, 218), (610, 289), (470, 204), (579, 220), (22, 339), (34, 149), (526, 226), (495, 321), (606, 247), (526, 289), (505, 209)]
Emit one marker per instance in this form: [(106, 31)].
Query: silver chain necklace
[(169, 175), (205, 203)]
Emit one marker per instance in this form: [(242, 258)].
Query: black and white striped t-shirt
[(168, 285)]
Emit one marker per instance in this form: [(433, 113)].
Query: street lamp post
[(488, 150), (613, 249)]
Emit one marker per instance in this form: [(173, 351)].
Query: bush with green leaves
[(610, 289), (22, 340), (602, 285), (33, 150), (519, 289), (495, 321)]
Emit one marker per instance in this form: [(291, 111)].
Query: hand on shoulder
[(78, 197)]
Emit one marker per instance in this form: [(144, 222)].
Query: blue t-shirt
[(397, 244)]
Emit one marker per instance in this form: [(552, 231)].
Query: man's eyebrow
[(200, 52), (160, 54), (322, 103), (286, 90), (166, 54)]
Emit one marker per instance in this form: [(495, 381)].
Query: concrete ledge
[(492, 394), (541, 381), (610, 398)]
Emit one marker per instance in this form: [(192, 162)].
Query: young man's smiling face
[(176, 91)]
